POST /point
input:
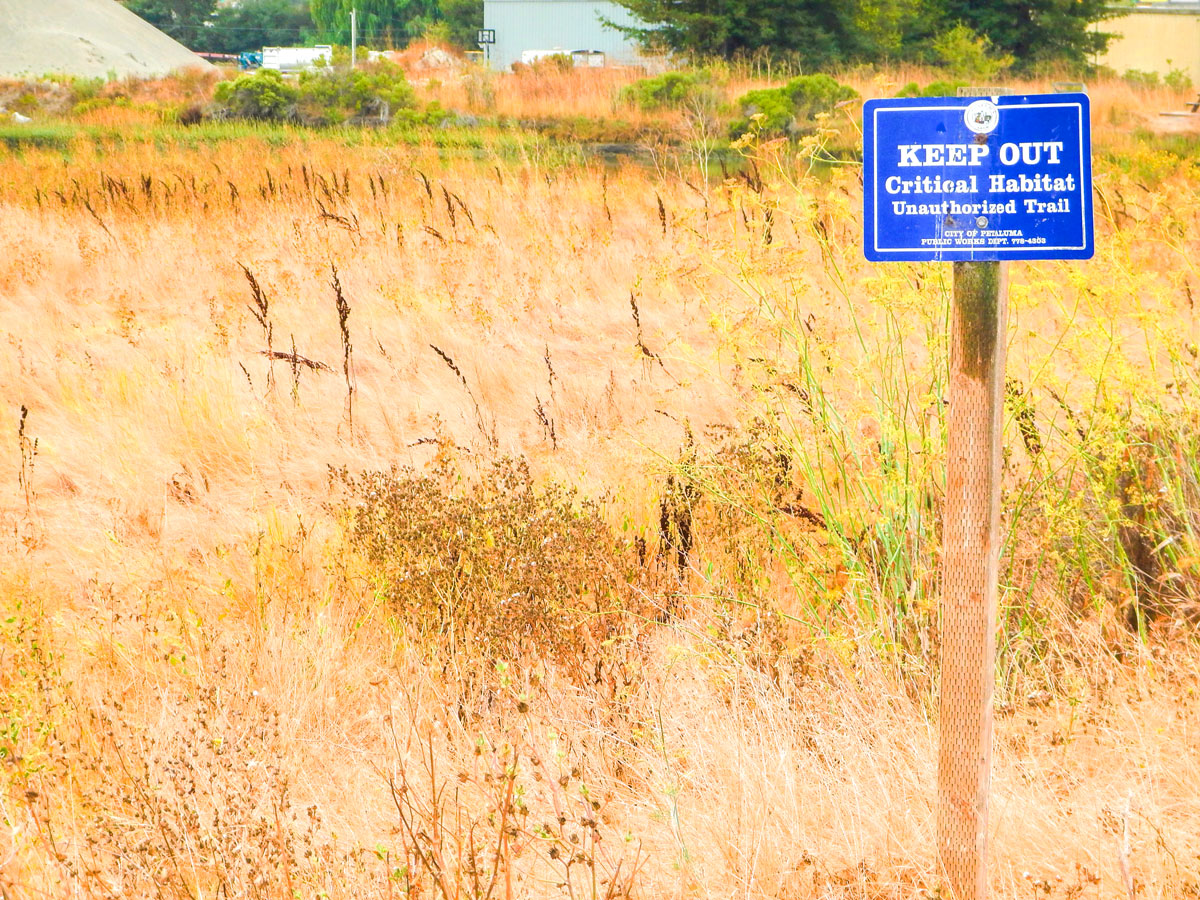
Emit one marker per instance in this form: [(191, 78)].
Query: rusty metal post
[(970, 573)]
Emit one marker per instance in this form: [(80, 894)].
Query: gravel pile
[(84, 38)]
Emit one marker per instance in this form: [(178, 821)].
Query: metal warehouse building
[(569, 26), (1154, 36)]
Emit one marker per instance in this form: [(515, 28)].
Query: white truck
[(293, 59), (581, 59)]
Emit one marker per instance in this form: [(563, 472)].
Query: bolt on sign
[(987, 178), (977, 181)]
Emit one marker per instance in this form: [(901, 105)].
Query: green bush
[(966, 54), (85, 90), (791, 108), (1139, 79), (813, 94), (772, 104), (1178, 80), (672, 90), (434, 115), (331, 96), (934, 89), (262, 95), (1175, 79), (321, 96)]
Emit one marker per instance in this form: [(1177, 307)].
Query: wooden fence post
[(970, 573)]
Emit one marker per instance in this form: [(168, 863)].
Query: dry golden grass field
[(382, 521)]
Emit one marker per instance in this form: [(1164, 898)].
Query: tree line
[(818, 33)]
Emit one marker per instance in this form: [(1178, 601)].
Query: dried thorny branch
[(450, 208), (547, 422), (297, 360), (88, 206), (463, 207), (28, 450), (488, 433), (553, 377), (261, 307), (453, 366), (261, 310), (350, 224), (641, 344), (343, 311), (428, 186), (540, 410), (604, 197)]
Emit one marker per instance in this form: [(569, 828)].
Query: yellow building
[(1155, 36)]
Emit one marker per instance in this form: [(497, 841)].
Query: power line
[(203, 27), (298, 29), (393, 29)]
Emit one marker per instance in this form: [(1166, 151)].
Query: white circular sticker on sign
[(982, 116)]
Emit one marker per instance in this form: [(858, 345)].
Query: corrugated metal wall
[(1155, 38), (556, 24)]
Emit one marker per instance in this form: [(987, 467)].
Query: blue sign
[(978, 178)]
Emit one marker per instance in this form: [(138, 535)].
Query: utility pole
[(353, 37)]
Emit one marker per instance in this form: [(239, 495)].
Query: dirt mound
[(85, 38), (437, 58), (428, 57)]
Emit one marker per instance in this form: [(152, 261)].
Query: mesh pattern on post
[(970, 560)]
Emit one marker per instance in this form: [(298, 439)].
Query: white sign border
[(982, 249)]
